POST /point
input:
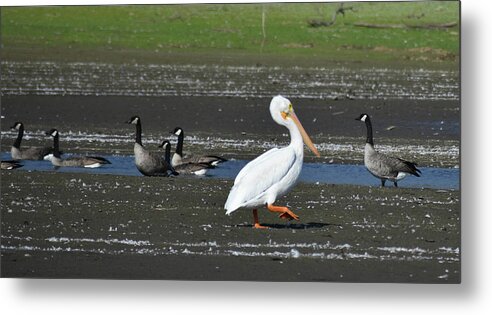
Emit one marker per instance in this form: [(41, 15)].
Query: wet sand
[(102, 226)]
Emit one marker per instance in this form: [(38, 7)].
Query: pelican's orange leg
[(257, 224), (285, 213)]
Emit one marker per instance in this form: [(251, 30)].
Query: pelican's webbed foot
[(285, 213)]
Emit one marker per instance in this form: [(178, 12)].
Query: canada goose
[(186, 168), (178, 158), (75, 161), (382, 166), (44, 153), (148, 163), (10, 165)]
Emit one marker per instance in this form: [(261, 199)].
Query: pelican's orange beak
[(304, 134)]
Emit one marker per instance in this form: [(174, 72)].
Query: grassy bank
[(236, 30)]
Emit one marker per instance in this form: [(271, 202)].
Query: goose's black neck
[(138, 134), (179, 146), (17, 142), (369, 131), (56, 146), (167, 155)]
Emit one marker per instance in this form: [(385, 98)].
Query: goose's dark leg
[(382, 182), (396, 184)]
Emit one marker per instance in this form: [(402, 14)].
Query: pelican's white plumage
[(270, 175), (275, 172)]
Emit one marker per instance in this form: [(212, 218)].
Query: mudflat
[(61, 225), (232, 115), (426, 132), (67, 225)]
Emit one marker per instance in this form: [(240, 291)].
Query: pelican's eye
[(290, 107)]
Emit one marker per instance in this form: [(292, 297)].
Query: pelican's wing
[(251, 165), (258, 176)]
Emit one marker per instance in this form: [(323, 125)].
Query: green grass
[(236, 29)]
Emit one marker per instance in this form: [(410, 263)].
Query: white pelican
[(274, 172)]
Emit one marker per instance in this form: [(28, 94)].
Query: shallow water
[(347, 174)]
